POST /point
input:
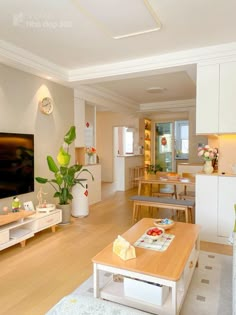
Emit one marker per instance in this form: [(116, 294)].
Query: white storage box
[(4, 236), (145, 291)]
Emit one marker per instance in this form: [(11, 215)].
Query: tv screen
[(16, 164)]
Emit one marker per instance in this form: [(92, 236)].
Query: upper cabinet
[(216, 97), (227, 98)]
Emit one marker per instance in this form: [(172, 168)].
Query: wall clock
[(46, 105)]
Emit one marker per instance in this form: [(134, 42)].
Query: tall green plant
[(65, 176)]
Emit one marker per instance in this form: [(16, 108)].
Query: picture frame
[(28, 206)]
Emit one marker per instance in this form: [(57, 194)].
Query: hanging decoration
[(163, 141)]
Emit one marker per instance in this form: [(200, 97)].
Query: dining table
[(164, 179)]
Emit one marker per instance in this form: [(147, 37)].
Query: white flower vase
[(90, 158), (208, 168)]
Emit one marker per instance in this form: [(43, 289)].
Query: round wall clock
[(46, 105)]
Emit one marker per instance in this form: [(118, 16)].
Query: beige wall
[(104, 133), (19, 96)]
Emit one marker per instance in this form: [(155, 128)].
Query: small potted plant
[(65, 176)]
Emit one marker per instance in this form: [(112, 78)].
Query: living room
[(36, 277)]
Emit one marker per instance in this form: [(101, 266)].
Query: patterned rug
[(210, 293)]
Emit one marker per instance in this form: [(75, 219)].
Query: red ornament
[(87, 124), (86, 193), (163, 141)]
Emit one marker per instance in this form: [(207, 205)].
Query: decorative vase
[(66, 213), (90, 158), (208, 168)]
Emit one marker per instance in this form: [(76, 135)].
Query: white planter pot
[(80, 200)]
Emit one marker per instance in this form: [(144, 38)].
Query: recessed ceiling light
[(156, 89)]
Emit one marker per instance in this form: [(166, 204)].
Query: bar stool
[(135, 172)]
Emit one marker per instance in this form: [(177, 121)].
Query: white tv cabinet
[(19, 231)]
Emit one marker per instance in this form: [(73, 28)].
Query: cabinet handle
[(191, 264)]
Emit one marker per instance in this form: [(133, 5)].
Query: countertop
[(129, 155)]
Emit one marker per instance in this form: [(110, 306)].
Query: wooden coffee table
[(173, 267)]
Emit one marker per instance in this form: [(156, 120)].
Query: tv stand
[(19, 231)]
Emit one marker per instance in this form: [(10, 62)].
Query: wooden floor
[(52, 265)]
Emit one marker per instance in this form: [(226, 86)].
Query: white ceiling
[(57, 38)]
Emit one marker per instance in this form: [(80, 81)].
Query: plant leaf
[(41, 180), (52, 165), (70, 135), (63, 157)]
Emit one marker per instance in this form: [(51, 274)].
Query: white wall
[(19, 96)]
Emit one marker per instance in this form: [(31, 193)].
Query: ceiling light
[(118, 20), (157, 89)]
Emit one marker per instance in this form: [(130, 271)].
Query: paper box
[(145, 291)]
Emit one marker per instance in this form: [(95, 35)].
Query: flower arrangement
[(208, 153), (90, 151)]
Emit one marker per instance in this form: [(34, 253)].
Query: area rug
[(210, 293)]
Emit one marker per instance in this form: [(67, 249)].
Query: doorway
[(171, 144)]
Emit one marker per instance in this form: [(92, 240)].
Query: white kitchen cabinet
[(215, 199), (206, 206), (216, 98), (227, 98), (207, 99), (227, 200)]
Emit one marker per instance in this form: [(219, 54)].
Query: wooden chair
[(187, 194), (135, 172), (164, 190)]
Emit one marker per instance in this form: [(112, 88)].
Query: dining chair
[(166, 190), (187, 194)]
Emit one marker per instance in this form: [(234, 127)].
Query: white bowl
[(153, 229)]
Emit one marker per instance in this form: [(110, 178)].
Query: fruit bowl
[(153, 233), (164, 223)]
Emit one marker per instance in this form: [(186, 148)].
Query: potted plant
[(65, 176)]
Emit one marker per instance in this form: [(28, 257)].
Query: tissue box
[(145, 291), (123, 249)]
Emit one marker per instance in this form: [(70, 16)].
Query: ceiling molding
[(109, 100), (135, 66), (172, 105), (28, 62)]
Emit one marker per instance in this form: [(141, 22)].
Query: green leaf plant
[(65, 176)]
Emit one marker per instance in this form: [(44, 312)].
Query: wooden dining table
[(164, 179)]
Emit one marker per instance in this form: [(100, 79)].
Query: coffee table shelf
[(184, 260), (115, 292)]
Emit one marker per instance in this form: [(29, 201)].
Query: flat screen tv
[(16, 164)]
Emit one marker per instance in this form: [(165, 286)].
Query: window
[(182, 138), (129, 141)]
